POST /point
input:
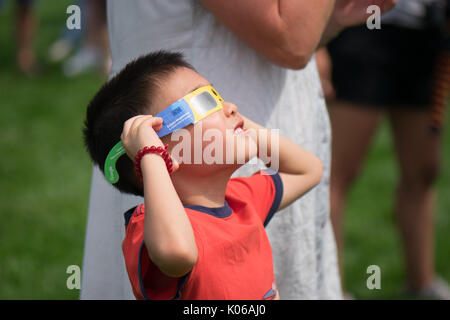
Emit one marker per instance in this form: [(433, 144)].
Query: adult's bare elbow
[(298, 61), (318, 171), (280, 47), (296, 51), (294, 58), (289, 61)]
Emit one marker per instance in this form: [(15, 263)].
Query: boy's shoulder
[(261, 191), (263, 182)]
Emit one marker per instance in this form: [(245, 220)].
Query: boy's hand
[(299, 169), (168, 235), (140, 131)]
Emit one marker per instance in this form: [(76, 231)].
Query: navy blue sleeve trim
[(278, 195), (181, 281), (127, 215)]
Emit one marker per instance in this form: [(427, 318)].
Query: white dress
[(303, 244)]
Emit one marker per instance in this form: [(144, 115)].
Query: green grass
[(45, 172), (45, 180)]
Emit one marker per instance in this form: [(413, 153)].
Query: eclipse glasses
[(190, 109)]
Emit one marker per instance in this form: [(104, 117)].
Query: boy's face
[(215, 134)]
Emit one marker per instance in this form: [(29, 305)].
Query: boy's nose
[(229, 108)]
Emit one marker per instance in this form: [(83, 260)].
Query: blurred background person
[(25, 29), (91, 42), (69, 39), (396, 72)]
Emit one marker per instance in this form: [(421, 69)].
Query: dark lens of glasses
[(203, 103)]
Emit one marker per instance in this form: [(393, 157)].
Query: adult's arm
[(285, 32)]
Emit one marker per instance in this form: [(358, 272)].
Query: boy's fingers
[(153, 122), (129, 124), (126, 128), (137, 123), (145, 122), (157, 123)]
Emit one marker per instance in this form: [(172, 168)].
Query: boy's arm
[(168, 233), (299, 169)]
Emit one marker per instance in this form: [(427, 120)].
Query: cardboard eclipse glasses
[(190, 109)]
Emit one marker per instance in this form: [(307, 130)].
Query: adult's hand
[(348, 13)]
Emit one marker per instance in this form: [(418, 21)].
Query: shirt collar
[(218, 212)]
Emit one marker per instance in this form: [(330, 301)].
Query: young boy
[(199, 234)]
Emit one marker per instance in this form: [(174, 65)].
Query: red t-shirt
[(234, 254)]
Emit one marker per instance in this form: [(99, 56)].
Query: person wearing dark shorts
[(392, 71), (389, 68)]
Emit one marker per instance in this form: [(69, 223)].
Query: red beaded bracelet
[(145, 150)]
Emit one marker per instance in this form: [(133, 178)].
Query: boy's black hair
[(127, 94)]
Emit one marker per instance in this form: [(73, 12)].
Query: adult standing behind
[(246, 48), (392, 72)]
